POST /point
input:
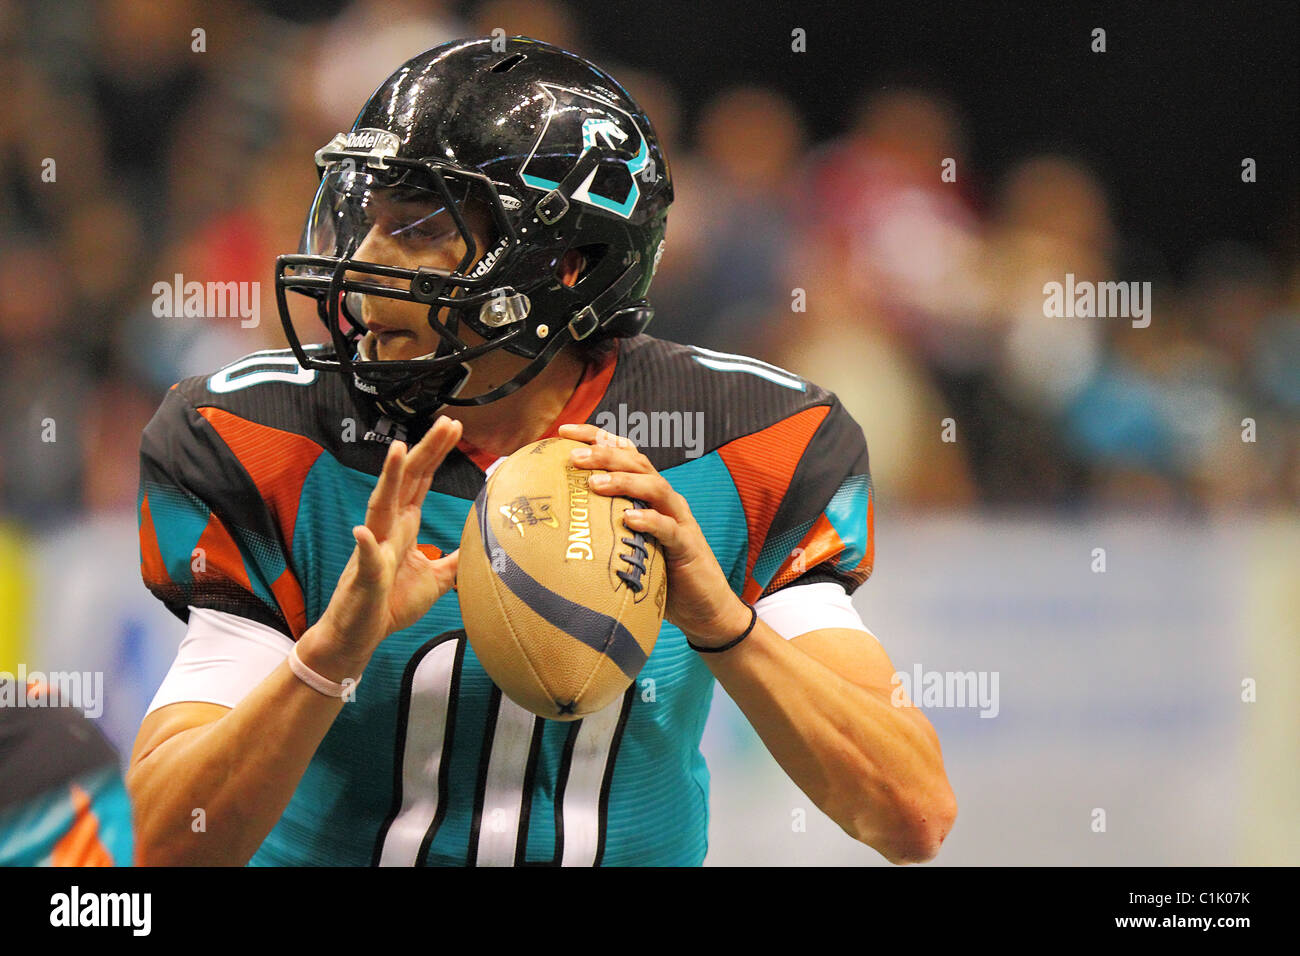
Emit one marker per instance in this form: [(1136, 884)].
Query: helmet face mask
[(522, 164), (418, 208)]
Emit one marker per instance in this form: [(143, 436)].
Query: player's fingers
[(585, 433), (419, 490), (663, 528), (595, 436), (445, 569), (419, 485), (404, 532), (652, 488), (429, 453), (370, 560), (436, 578), (382, 507), (428, 457), (611, 458)]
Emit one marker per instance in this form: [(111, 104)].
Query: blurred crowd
[(852, 262)]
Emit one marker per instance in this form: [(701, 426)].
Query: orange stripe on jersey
[(762, 466), (216, 555), (152, 567), (81, 845), (276, 460), (821, 543), (868, 561), (288, 594)]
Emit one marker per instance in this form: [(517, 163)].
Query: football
[(562, 603)]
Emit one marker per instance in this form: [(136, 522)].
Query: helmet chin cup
[(632, 320), (411, 388), (405, 396), (421, 400)]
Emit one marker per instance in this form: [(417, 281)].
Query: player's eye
[(422, 227), (410, 220)]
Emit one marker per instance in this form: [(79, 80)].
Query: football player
[(62, 799), (480, 250)]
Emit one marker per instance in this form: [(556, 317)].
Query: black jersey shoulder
[(683, 401), (789, 444), (269, 388)]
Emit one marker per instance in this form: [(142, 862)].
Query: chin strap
[(583, 323), (587, 319), (553, 206), (522, 377)]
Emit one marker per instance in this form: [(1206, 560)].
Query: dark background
[(1183, 92), (1165, 115)]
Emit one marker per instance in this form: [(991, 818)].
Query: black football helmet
[(561, 158)]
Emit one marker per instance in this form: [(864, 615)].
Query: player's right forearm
[(209, 795)]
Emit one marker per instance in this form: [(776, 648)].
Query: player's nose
[(371, 247), (375, 248)]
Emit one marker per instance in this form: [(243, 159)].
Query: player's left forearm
[(874, 768)]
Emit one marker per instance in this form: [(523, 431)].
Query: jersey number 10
[(504, 790)]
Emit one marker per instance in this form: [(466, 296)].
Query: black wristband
[(753, 619)]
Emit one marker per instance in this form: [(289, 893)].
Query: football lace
[(635, 557)]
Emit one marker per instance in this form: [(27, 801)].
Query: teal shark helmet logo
[(583, 123)]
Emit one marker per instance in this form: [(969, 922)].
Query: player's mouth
[(386, 343)]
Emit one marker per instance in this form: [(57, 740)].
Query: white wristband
[(318, 683)]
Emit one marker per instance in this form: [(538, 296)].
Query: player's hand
[(388, 583), (700, 601)]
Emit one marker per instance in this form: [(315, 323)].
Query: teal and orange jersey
[(62, 798), (252, 479)]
